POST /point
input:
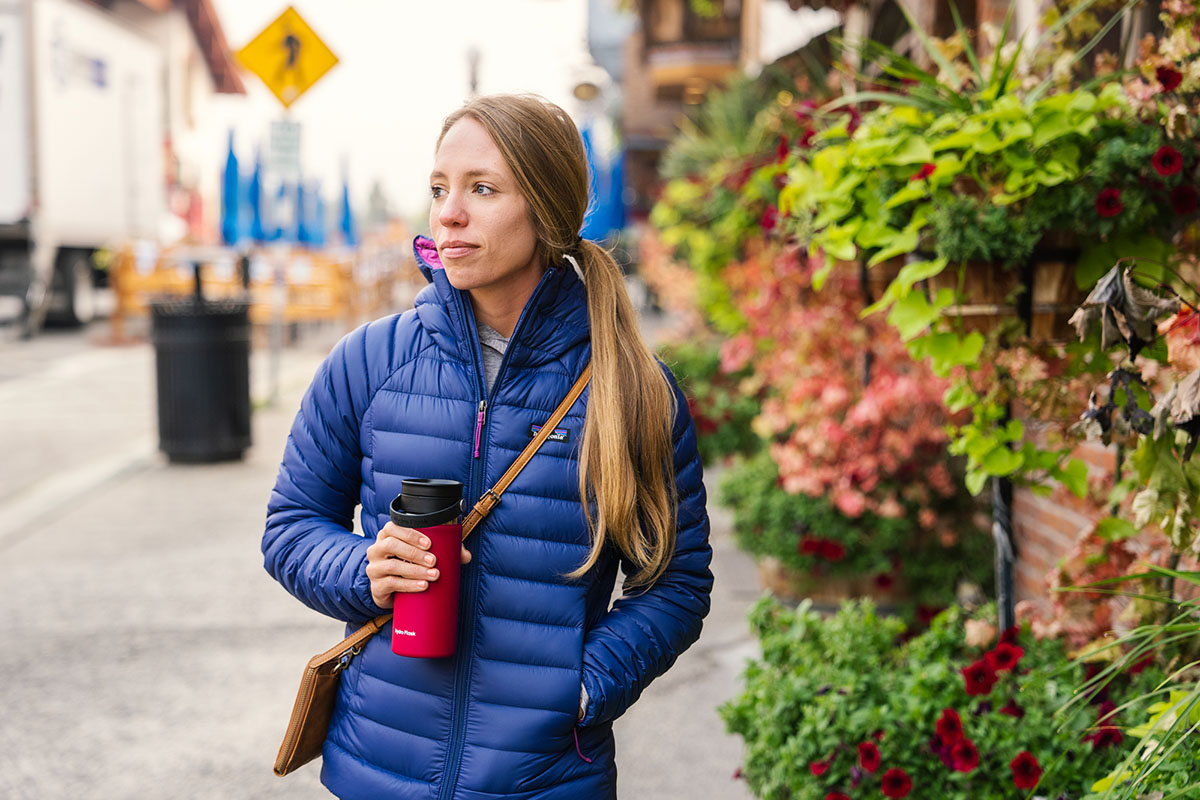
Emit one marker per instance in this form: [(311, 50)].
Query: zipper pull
[(479, 425)]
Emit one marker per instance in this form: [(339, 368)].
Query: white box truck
[(81, 148)]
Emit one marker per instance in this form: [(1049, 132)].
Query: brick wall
[(1045, 528)]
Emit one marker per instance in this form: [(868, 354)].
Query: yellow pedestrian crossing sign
[(288, 56)]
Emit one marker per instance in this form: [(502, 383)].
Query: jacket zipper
[(479, 424), (466, 628)]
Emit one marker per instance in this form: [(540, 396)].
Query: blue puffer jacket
[(400, 398)]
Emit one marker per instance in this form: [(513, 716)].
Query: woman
[(517, 306)]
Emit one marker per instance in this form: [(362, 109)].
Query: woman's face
[(479, 218)]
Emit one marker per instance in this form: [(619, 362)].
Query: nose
[(451, 213)]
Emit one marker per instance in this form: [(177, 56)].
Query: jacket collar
[(553, 322)]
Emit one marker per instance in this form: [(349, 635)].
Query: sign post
[(289, 58)]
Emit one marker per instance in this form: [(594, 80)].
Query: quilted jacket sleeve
[(309, 544), (643, 633)]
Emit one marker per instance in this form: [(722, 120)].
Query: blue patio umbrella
[(595, 227), (317, 232), (616, 192), (256, 202), (281, 231), (303, 232), (230, 189), (346, 221)]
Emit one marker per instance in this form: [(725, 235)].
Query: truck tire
[(76, 302)]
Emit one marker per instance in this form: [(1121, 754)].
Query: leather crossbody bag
[(313, 709)]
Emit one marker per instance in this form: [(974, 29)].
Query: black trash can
[(202, 358)]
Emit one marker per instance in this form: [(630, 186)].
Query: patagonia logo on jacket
[(559, 435)]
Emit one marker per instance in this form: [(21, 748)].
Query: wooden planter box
[(825, 591), (1042, 291)]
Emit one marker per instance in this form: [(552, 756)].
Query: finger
[(414, 537), (390, 586), (395, 567), (466, 556), (395, 548)]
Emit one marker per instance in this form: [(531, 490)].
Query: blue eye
[(436, 191), (484, 190)]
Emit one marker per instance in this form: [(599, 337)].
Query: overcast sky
[(403, 67)]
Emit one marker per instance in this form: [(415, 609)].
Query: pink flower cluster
[(866, 445)]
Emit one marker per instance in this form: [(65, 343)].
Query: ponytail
[(626, 470)]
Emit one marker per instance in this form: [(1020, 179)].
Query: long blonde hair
[(626, 468)]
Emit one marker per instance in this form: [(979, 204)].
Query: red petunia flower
[(949, 726), (979, 677), (810, 545), (1105, 736), (834, 551), (1010, 635), (964, 755), (1013, 710), (868, 756), (1108, 202), (770, 219), (837, 796), (1026, 771), (806, 139), (1004, 657), (781, 152), (884, 581), (924, 172), (926, 614), (819, 768), (1183, 201), (737, 774), (896, 783), (1167, 160), (1169, 78)]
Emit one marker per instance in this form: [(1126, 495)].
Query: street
[(146, 652)]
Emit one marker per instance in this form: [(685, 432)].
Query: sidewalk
[(147, 654)]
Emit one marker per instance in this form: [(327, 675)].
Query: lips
[(456, 249)]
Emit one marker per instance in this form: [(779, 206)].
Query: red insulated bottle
[(425, 624)]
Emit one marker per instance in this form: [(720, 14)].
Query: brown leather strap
[(355, 639), (492, 496)]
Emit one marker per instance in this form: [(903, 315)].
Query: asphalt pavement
[(147, 654)]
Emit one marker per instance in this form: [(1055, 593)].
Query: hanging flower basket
[(1042, 291)]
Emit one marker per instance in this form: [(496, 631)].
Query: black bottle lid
[(425, 502)]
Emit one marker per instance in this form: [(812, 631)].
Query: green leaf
[(960, 395), (876, 233), (912, 150), (905, 242), (1074, 476), (821, 275), (1001, 461), (946, 351), (976, 480), (842, 250), (913, 190), (962, 139), (912, 313), (1114, 529), (915, 271), (1050, 127)]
